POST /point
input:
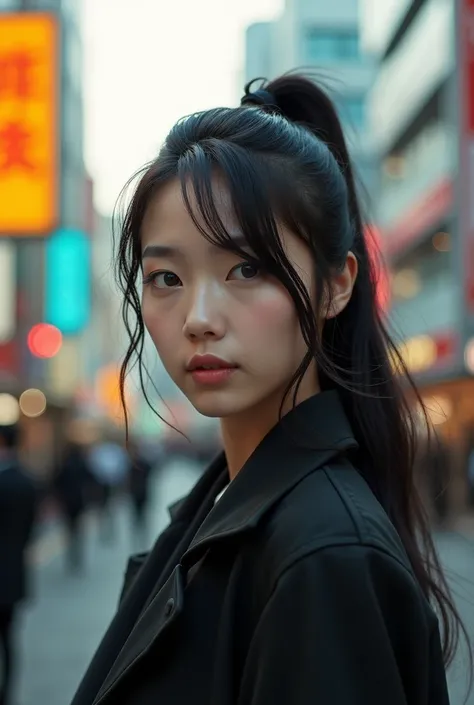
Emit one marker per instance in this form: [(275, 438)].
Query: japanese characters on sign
[(29, 129)]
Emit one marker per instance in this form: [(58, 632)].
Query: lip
[(220, 373), (199, 361)]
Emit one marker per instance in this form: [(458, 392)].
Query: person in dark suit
[(18, 499), (139, 490), (71, 485)]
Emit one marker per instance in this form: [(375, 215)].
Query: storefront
[(450, 408)]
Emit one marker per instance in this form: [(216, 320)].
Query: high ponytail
[(303, 102), (359, 355)]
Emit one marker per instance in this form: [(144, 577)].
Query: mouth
[(210, 370), (212, 376), (209, 362)]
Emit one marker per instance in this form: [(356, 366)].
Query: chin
[(218, 404)]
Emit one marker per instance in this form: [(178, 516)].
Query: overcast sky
[(147, 63)]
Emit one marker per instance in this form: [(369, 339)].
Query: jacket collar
[(303, 441)]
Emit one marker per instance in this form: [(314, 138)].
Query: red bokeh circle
[(44, 340)]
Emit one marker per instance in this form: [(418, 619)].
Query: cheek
[(161, 327), (270, 316)]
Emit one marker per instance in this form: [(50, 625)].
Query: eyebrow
[(167, 251), (159, 251)]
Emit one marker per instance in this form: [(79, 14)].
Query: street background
[(88, 91)]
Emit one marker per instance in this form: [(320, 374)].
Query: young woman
[(299, 570)]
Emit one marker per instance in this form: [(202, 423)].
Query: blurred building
[(322, 38), (49, 283), (419, 107)]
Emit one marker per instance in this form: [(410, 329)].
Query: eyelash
[(150, 277), (246, 264)]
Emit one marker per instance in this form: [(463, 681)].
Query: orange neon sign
[(29, 126)]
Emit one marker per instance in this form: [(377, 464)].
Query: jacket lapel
[(307, 438), (156, 619)]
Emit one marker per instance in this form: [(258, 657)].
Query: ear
[(342, 285)]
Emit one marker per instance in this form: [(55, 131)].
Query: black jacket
[(294, 589), (72, 481), (18, 499)]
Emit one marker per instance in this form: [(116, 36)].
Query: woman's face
[(199, 300)]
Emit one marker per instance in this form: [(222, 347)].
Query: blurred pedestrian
[(18, 504), (139, 490), (299, 569), (72, 483), (109, 465)]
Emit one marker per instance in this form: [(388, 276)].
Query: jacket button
[(169, 607)]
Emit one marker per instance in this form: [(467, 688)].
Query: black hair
[(284, 159)]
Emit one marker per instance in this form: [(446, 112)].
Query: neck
[(242, 433)]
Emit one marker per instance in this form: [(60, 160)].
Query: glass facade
[(331, 45)]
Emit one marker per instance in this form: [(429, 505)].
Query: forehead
[(167, 214)]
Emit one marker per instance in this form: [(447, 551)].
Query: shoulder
[(332, 511), (332, 593)]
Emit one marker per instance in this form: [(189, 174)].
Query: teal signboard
[(68, 281)]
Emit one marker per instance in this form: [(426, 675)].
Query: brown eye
[(244, 271), (164, 280)]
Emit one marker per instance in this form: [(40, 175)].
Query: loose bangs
[(257, 198)]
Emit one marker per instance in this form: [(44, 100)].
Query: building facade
[(415, 117)]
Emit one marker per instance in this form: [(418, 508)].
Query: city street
[(63, 626)]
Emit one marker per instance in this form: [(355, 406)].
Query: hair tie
[(259, 97)]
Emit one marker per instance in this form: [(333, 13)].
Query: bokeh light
[(32, 403), (9, 410), (469, 355), (44, 340)]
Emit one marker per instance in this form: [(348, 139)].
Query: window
[(348, 46), (332, 45)]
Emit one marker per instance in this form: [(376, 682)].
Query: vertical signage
[(68, 281), (29, 130)]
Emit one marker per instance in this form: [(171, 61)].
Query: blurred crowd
[(91, 477), (88, 477)]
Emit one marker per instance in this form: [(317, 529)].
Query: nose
[(205, 318)]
